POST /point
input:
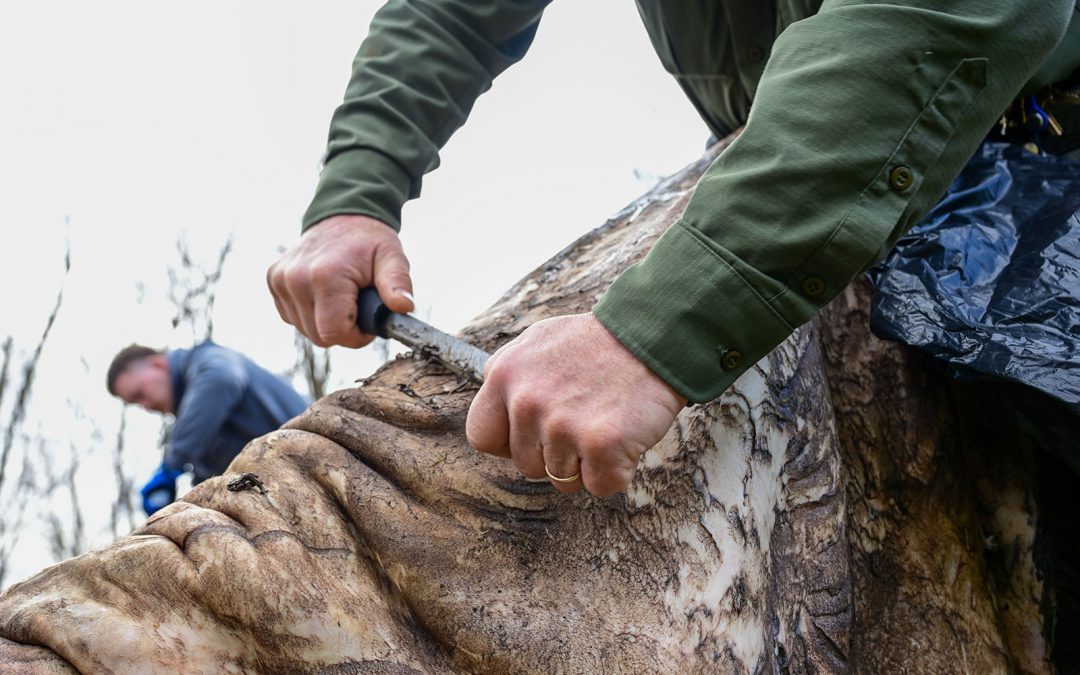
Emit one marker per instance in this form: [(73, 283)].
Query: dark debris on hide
[(247, 481)]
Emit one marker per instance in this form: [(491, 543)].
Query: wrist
[(344, 224), (671, 398), (360, 181)]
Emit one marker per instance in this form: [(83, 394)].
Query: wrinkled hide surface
[(386, 544)]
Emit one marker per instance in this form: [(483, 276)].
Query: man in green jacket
[(863, 112)]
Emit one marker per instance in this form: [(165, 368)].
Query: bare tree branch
[(122, 507), (62, 543), (313, 365), (193, 289), (14, 515), (5, 365), (29, 373)]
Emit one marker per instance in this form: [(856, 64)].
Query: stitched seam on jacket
[(708, 245)]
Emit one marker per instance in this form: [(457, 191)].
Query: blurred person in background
[(220, 399)]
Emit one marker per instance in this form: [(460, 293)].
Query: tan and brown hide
[(386, 544)]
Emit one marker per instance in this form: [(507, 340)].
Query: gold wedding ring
[(555, 478)]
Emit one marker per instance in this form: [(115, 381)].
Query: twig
[(22, 399)]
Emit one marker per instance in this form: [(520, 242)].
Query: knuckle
[(500, 374), (526, 405), (294, 276), (559, 427), (322, 275), (600, 440)]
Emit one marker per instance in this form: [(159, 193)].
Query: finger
[(282, 312), (488, 426), (278, 292), (525, 445), (605, 481), (560, 454), (392, 278), (561, 463), (607, 471), (271, 279), (490, 363), (283, 309), (335, 315), (302, 309)]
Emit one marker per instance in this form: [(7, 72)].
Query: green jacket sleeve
[(415, 78), (863, 115)]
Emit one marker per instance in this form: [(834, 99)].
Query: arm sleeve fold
[(863, 115), (415, 79)]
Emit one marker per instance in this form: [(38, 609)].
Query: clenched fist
[(316, 282), (566, 400)]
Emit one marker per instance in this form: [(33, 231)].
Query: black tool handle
[(372, 314)]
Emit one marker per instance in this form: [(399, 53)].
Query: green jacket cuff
[(363, 182), (690, 313)]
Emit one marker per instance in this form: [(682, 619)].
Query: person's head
[(140, 375)]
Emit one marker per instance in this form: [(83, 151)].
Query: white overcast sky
[(139, 121)]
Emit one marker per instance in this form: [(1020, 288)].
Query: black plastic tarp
[(989, 282)]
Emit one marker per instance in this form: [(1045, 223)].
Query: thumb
[(392, 279)]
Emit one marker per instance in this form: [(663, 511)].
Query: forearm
[(864, 114), (415, 79)]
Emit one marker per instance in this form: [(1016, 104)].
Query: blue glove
[(160, 490)]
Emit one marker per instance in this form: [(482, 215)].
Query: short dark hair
[(124, 359)]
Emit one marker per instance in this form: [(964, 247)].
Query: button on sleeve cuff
[(690, 313), (360, 182)]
